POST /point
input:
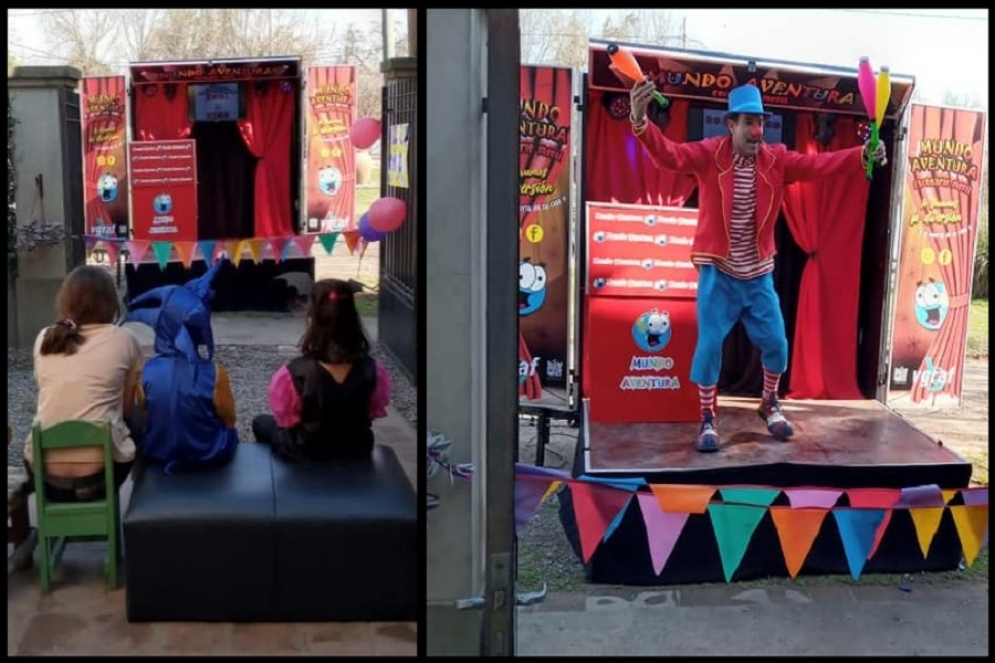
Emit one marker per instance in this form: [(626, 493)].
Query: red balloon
[(388, 214), (364, 133)]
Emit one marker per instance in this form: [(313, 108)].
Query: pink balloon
[(364, 133), (388, 214)]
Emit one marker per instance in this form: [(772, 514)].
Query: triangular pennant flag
[(875, 498), (255, 249), (184, 250), (228, 247), (972, 523), (528, 496), (553, 487), (304, 243), (734, 525), (526, 470), (857, 529), (624, 483), (240, 249), (613, 525), (136, 251), (88, 243), (683, 499), (975, 496), (662, 530), (279, 246), (928, 495), (113, 250), (352, 238), (796, 529), (949, 495), (328, 241), (927, 521), (595, 508), (815, 498), (162, 250), (751, 496), (206, 247)]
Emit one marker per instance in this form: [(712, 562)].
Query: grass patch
[(365, 195), (979, 465), (977, 330), (366, 304)]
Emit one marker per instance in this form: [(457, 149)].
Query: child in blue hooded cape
[(186, 395)]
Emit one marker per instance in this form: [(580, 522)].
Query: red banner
[(105, 162), (330, 195), (545, 180), (640, 251), (640, 368), (164, 190), (942, 195)]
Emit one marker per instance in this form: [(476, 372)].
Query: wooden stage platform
[(842, 444)]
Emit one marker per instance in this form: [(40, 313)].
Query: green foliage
[(11, 194)]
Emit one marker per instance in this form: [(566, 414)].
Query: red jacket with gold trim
[(710, 162)]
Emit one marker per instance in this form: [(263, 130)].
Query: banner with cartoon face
[(942, 194), (545, 181), (104, 117), (330, 110)]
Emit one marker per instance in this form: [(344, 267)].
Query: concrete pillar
[(455, 308), (413, 32), (49, 162)]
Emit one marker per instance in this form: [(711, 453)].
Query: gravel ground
[(250, 368)]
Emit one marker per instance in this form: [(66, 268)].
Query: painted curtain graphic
[(544, 225), (330, 193), (940, 216), (105, 162)]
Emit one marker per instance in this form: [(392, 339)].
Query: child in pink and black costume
[(324, 402)]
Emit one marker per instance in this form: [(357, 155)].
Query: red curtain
[(267, 130), (946, 349), (162, 112), (618, 168), (826, 218)]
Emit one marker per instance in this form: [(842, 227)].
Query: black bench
[(265, 540)]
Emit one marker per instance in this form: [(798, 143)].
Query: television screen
[(216, 102), (714, 125)]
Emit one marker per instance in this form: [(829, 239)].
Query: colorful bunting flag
[(663, 529), (595, 507), (734, 525), (553, 487), (305, 243), (229, 248), (328, 242), (975, 496), (255, 249), (523, 469), (206, 247), (113, 250), (240, 250), (89, 242), (529, 493), (858, 528), (136, 251), (683, 499), (279, 246), (796, 530), (162, 251), (751, 496), (923, 496), (804, 498), (185, 251), (949, 495), (927, 522), (971, 523), (352, 238), (623, 483), (875, 498)]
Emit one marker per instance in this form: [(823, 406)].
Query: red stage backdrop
[(331, 158), (940, 216), (640, 321), (545, 181), (164, 190), (105, 162)]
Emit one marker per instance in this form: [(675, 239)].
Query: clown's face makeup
[(747, 133)]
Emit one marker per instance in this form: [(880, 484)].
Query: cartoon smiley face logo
[(107, 188), (651, 331), (329, 180), (932, 304), (163, 204), (531, 287)]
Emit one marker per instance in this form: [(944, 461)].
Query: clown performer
[(740, 188)]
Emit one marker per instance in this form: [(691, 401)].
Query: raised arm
[(685, 158)]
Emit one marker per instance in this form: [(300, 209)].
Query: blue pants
[(723, 300)]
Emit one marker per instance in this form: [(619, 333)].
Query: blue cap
[(746, 99)]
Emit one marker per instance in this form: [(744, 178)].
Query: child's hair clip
[(333, 296)]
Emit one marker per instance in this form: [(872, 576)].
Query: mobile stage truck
[(188, 161), (858, 488)]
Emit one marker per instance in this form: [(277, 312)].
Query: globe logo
[(163, 203)]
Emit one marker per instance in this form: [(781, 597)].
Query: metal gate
[(397, 314), (72, 176)]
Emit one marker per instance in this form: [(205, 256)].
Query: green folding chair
[(60, 522)]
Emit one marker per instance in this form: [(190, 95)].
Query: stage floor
[(841, 437)]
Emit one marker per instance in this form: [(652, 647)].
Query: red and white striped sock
[(706, 396), (771, 381)]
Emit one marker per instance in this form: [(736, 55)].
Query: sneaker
[(777, 424), (708, 438)]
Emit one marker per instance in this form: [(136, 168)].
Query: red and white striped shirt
[(744, 259)]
